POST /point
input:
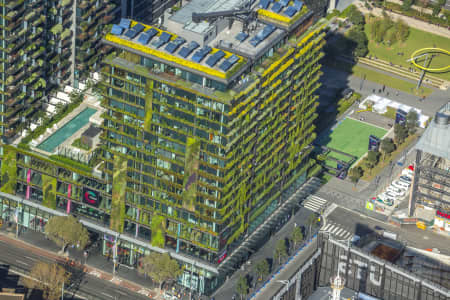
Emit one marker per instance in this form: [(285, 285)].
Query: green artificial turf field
[(350, 136)]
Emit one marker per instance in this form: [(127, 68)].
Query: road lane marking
[(107, 295), (122, 293), (21, 262)]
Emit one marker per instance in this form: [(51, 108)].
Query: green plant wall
[(158, 228), (118, 194), (49, 190), (9, 172), (148, 105), (190, 173)]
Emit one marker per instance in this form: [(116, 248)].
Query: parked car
[(405, 179), (400, 183), (386, 199), (407, 172), (396, 191)]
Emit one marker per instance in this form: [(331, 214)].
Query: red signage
[(222, 257), (444, 215)]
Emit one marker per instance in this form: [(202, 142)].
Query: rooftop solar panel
[(242, 36), (229, 62), (185, 51), (284, 3), (138, 27), (264, 4), (255, 41), (173, 46), (152, 32), (116, 29), (233, 59), (131, 33), (225, 66), (125, 23), (213, 59), (290, 11), (144, 38), (298, 5), (165, 37), (276, 7), (200, 54)]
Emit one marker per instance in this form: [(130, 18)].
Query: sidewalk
[(97, 265)]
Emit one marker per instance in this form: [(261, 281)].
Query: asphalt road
[(89, 288), (413, 236)]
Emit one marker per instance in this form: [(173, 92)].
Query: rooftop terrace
[(222, 48), (167, 47)]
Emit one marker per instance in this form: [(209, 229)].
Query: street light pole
[(62, 291)]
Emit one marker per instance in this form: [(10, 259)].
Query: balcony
[(12, 89), (12, 25), (38, 52), (13, 57), (30, 15), (106, 19), (13, 4), (84, 4)]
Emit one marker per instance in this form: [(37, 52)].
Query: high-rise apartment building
[(207, 130), (45, 44)]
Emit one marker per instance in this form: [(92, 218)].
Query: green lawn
[(351, 136), (417, 39)]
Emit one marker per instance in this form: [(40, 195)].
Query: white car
[(386, 197), (405, 178), (396, 191), (408, 172), (401, 184)]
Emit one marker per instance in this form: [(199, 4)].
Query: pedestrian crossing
[(315, 203), (337, 231)]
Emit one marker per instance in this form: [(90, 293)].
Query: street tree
[(355, 16), (296, 236), (407, 4), (49, 278), (66, 230), (387, 146), (411, 121), (400, 133), (401, 30), (262, 269), (355, 174), (242, 287), (159, 267), (372, 159), (280, 250), (358, 42)]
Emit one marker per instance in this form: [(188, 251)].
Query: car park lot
[(395, 193)]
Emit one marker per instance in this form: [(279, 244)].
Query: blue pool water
[(67, 130)]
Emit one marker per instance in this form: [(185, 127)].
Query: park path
[(418, 24)]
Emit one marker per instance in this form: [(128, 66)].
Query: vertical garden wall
[(49, 190), (190, 173), (9, 172), (158, 228), (118, 193), (148, 105)]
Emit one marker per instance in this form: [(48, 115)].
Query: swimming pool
[(67, 130)]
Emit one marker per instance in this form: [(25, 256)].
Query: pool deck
[(89, 101)]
